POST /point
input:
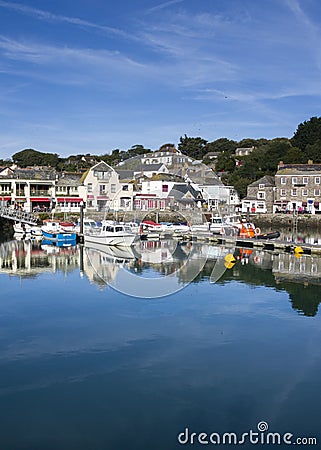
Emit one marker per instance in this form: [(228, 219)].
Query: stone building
[(260, 196), (298, 188)]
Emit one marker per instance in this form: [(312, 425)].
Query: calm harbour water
[(84, 366)]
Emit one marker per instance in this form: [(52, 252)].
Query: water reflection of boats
[(113, 252), (102, 262), (29, 259)]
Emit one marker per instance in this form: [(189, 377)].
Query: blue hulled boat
[(56, 231)]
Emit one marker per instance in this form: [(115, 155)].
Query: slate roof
[(268, 180), (125, 174), (298, 169), (69, 179), (34, 173), (178, 191), (150, 167)]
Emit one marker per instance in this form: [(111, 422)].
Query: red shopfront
[(40, 204)]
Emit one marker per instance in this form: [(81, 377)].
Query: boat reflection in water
[(32, 258), (101, 263), (158, 268)]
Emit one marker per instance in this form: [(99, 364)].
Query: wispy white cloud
[(311, 30), (163, 5), (52, 63), (48, 16)]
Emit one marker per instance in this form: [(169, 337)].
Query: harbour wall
[(268, 222)]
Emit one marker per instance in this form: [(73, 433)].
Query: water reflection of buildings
[(31, 258), (299, 276), (306, 269)]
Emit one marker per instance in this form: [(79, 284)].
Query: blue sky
[(92, 76)]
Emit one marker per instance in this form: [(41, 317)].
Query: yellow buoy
[(229, 265), (298, 250), (229, 258)]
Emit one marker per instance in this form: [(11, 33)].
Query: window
[(305, 180), (283, 180), (304, 192), (317, 180), (261, 195), (261, 186), (316, 192), (294, 192), (125, 187), (294, 180), (89, 187), (165, 188), (283, 192), (113, 188), (102, 189)]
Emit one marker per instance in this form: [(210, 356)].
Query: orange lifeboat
[(247, 230)]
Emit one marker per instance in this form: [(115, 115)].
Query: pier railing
[(18, 215)]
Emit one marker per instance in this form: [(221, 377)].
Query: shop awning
[(39, 199), (69, 199)]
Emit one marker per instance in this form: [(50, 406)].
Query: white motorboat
[(26, 229), (111, 234)]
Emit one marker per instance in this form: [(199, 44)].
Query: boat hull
[(59, 237), (270, 235), (125, 240)]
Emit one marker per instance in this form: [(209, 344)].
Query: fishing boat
[(58, 231), (111, 234), (249, 230)]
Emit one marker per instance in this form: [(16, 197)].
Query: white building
[(104, 191)]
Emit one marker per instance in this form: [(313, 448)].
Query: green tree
[(313, 151), (195, 147), (222, 145), (308, 132), (294, 156), (225, 163), (31, 157)]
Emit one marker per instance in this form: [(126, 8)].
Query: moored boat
[(269, 235), (111, 234), (58, 231)]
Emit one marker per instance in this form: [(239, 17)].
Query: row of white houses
[(102, 188), (295, 187)]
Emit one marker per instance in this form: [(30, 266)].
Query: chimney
[(280, 165), (310, 161)]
